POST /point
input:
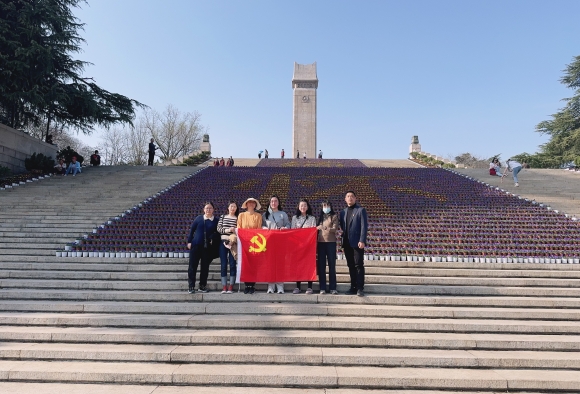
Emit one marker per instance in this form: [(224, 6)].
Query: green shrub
[(197, 159), (4, 171), (39, 162), (67, 154)]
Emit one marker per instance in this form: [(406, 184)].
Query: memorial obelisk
[(304, 83)]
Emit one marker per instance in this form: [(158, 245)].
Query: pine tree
[(563, 128), (39, 79)]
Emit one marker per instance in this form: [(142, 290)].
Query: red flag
[(277, 255)]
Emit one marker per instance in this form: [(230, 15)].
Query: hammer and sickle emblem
[(258, 244)]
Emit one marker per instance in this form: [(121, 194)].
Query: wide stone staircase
[(96, 325)]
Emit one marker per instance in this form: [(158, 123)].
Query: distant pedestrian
[(514, 167), (265, 153), (298, 154), (60, 167), (95, 159), (216, 162), (320, 154), (222, 162), (304, 155), (152, 149), (282, 154), (259, 154), (74, 167)]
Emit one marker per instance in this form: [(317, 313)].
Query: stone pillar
[(415, 145), (304, 83)]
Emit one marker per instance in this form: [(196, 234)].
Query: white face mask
[(326, 209)]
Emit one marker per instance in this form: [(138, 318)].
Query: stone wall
[(15, 146)]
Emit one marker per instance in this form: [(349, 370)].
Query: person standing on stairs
[(303, 219), (226, 227), (326, 247), (152, 149), (250, 219), (201, 234), (275, 219), (354, 225)]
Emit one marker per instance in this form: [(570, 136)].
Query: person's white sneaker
[(517, 184), (270, 289), (322, 292), (280, 288)]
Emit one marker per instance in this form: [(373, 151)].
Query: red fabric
[(285, 256), (492, 171)]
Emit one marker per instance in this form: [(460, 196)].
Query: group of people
[(223, 163), (304, 156), (352, 220), (511, 166), (74, 167)]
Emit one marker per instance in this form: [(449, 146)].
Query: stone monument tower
[(415, 145), (304, 83)]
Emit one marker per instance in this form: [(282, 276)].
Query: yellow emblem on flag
[(258, 244)]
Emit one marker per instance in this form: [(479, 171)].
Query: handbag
[(212, 244)]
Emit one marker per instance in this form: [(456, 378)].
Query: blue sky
[(465, 76)]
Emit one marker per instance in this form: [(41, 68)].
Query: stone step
[(35, 226), (369, 263), (30, 246), (79, 388), (288, 375), (12, 231), (28, 241), (370, 288), (337, 356), (27, 251), (223, 320), (179, 265), (183, 296), (342, 277), (269, 337), (232, 307)]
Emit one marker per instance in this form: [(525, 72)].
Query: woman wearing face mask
[(275, 219), (326, 247), (303, 219)]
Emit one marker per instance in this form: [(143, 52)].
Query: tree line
[(43, 90)]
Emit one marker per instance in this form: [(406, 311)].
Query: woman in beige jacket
[(326, 247)]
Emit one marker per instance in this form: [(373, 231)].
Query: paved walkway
[(559, 189)]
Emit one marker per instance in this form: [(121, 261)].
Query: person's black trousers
[(151, 157), (324, 251), (197, 253), (356, 266)]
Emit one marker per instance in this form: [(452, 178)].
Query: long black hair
[(321, 216), (267, 214), (237, 208), (308, 210)]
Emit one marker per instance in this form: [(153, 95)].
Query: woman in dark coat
[(203, 231)]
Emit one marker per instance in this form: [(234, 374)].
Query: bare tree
[(115, 143), (176, 133), (137, 144), (62, 137)]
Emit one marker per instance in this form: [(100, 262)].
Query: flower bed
[(413, 213)]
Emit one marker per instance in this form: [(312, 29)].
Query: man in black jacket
[(354, 224), (152, 149)]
